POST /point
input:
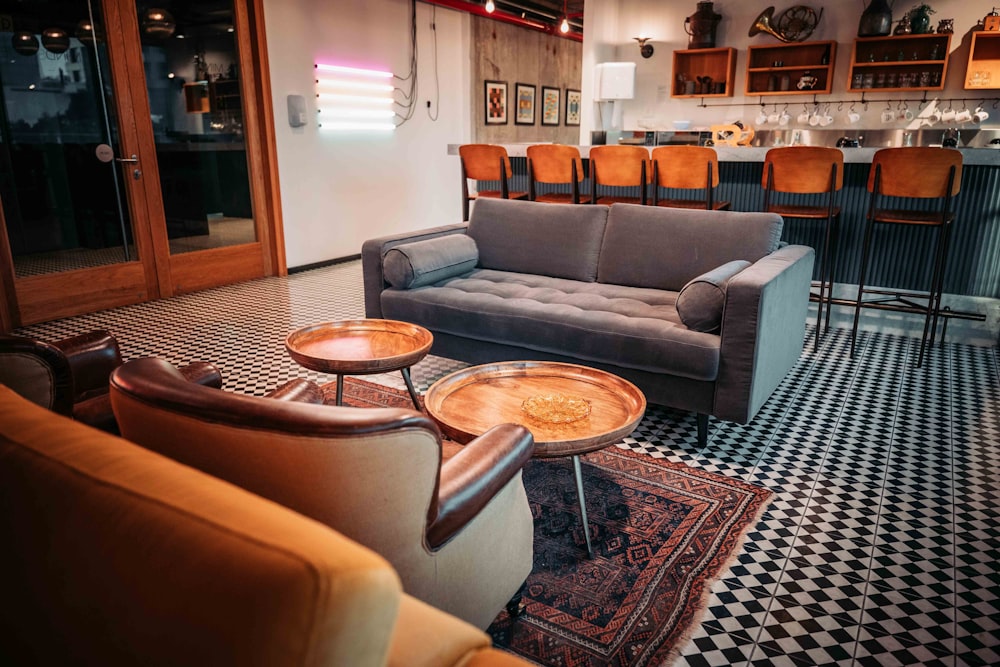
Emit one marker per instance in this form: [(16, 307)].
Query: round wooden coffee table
[(360, 347), (467, 403)]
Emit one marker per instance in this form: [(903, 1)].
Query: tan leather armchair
[(116, 555), (459, 533)]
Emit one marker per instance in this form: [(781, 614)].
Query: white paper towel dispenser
[(614, 81)]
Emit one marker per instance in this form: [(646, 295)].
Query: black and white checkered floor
[(881, 546)]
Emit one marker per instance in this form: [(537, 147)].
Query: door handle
[(134, 158)]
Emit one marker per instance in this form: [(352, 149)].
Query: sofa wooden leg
[(516, 605), (702, 430)]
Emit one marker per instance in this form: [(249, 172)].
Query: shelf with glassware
[(899, 63), (800, 68), (983, 69), (704, 72)]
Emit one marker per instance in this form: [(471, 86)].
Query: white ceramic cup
[(784, 119), (761, 119), (773, 118), (980, 115), (948, 115), (934, 117), (906, 115), (963, 116), (825, 119), (814, 119), (888, 117), (853, 117), (803, 117)]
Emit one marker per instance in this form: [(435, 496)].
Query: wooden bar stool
[(620, 167), (555, 164), (687, 168), (911, 173), (486, 162), (817, 171)]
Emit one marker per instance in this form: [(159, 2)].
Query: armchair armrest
[(471, 478), (373, 250), (298, 390), (91, 356), (763, 329), (204, 373)]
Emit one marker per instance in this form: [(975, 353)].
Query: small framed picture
[(550, 106), (524, 94), (573, 101), (496, 102)]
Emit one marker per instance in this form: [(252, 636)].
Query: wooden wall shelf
[(899, 63), (776, 69), (983, 69), (690, 64)]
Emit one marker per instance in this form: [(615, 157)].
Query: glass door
[(132, 158)]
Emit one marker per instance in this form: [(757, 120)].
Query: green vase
[(920, 21)]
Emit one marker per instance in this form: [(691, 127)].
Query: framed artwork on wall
[(524, 94), (550, 106), (496, 103), (573, 101)]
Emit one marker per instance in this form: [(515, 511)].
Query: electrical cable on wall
[(409, 95), (433, 115)]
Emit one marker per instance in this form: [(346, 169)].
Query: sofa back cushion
[(664, 248), (557, 240)]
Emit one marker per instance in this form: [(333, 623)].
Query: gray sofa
[(703, 311)]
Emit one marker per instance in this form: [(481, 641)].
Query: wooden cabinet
[(900, 63), (983, 70), (226, 95), (778, 69), (704, 72)]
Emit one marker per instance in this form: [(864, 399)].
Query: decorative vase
[(920, 20), (876, 20), (903, 27), (946, 26), (701, 26)]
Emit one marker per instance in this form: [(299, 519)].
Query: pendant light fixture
[(158, 23), (490, 7), (564, 26), (55, 40), (24, 43)]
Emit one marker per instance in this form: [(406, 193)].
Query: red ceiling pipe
[(498, 15)]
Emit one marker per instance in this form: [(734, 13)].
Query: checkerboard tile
[(882, 541)]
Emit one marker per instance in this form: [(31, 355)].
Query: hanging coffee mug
[(980, 115)]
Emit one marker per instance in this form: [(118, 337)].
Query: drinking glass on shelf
[(880, 80), (925, 79), (868, 81), (890, 80), (858, 81)]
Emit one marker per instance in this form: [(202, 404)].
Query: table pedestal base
[(583, 504)]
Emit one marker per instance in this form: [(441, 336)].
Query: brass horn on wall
[(794, 24)]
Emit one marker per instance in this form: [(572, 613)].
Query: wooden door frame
[(160, 274)]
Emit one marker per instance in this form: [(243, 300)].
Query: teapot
[(807, 82)]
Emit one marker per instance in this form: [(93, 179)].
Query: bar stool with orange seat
[(687, 168), (619, 167), (555, 164), (486, 162), (809, 170), (911, 173)]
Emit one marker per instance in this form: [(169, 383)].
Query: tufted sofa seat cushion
[(632, 327)]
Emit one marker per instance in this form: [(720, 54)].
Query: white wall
[(663, 22), (339, 189)]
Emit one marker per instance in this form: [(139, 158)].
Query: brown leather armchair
[(69, 376), (458, 532)]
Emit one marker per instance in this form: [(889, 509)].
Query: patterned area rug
[(662, 533)]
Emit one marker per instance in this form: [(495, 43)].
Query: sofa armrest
[(373, 250), (204, 373), (471, 478), (763, 328), (91, 356)]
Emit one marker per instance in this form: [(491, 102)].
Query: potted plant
[(920, 19)]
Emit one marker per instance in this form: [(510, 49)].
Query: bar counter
[(902, 255)]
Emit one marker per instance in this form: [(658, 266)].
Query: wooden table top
[(469, 402), (359, 347)]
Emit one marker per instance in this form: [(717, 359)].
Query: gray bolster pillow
[(700, 302), (426, 262)]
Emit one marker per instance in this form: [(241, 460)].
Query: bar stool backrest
[(685, 167), (553, 163), (915, 172), (802, 169), (620, 166), (481, 162)]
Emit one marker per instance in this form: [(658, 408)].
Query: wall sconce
[(645, 49)]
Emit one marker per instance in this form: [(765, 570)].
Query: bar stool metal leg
[(865, 251)]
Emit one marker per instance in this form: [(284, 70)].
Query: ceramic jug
[(876, 20), (701, 26)]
